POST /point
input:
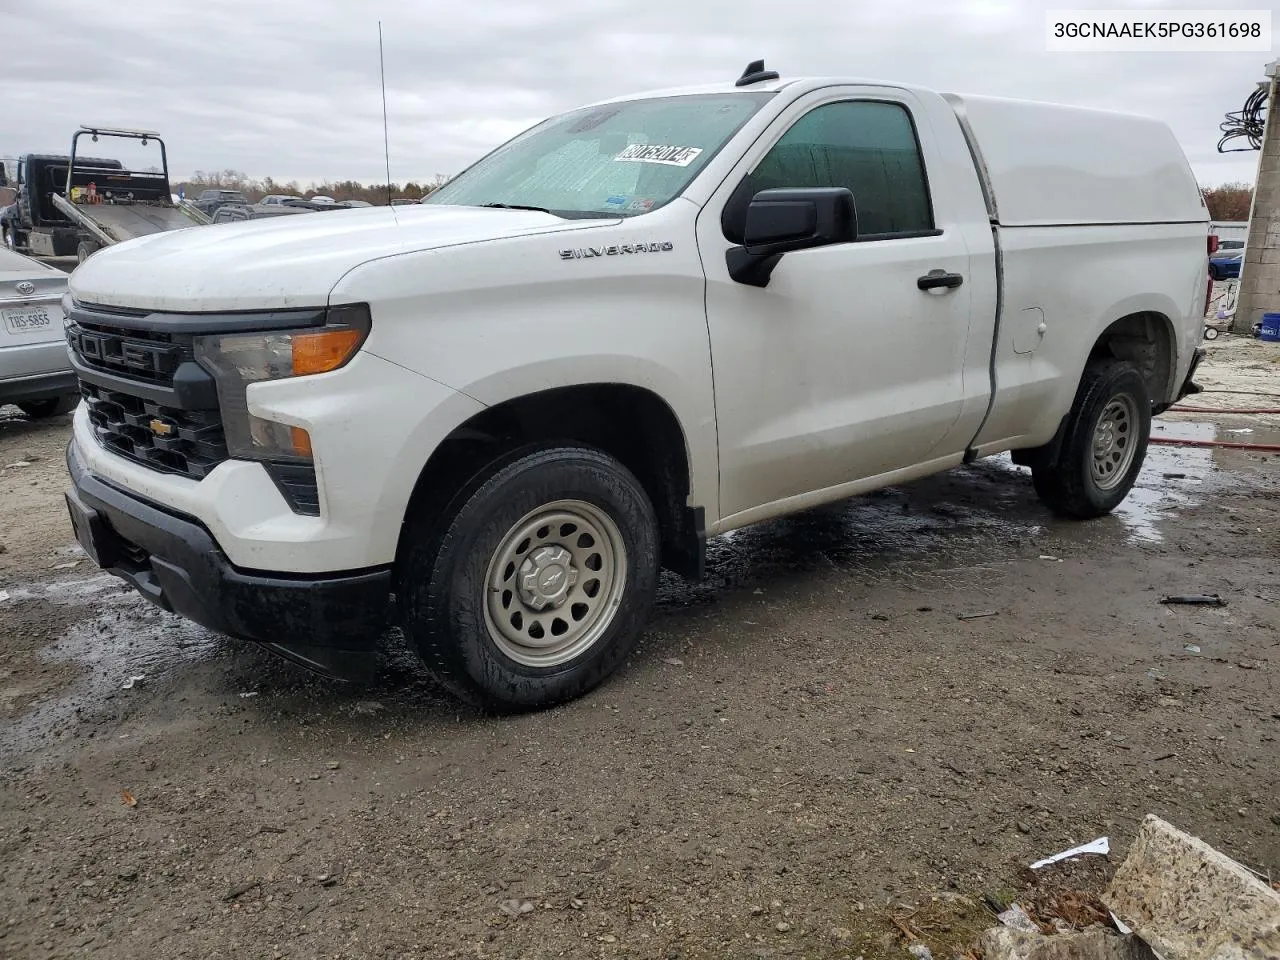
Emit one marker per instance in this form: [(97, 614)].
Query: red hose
[(1229, 444), (1246, 393), (1181, 409), (1174, 442)]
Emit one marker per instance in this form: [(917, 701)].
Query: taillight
[(1213, 244)]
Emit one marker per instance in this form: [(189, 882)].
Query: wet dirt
[(812, 737)]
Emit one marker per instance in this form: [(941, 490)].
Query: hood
[(284, 262)]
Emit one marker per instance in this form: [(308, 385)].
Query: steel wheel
[(554, 583), (1114, 441)]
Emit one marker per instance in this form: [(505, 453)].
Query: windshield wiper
[(562, 214), (516, 206)]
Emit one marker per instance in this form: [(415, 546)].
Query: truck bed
[(115, 222)]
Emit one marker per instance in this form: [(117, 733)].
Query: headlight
[(237, 360)]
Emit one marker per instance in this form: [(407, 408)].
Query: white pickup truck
[(635, 326)]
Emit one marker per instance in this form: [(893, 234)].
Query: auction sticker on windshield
[(671, 156), (26, 319)]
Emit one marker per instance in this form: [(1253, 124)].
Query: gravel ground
[(888, 706)]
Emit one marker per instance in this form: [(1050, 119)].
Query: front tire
[(534, 589), (1104, 444)]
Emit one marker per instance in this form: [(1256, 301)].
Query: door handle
[(939, 278)]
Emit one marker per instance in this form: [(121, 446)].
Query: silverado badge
[(615, 249)]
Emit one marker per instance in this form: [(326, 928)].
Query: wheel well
[(1146, 339), (631, 424)]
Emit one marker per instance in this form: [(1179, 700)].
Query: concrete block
[(1263, 276), (1096, 943), (1191, 902)]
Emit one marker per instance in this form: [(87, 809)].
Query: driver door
[(842, 368)]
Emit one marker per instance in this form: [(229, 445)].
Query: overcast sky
[(290, 88)]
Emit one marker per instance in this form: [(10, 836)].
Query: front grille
[(149, 401), (143, 355), (165, 438)]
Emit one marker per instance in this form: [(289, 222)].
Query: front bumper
[(330, 623)]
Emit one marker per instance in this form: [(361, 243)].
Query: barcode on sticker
[(657, 153)]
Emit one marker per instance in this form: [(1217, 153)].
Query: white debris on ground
[(1101, 846)]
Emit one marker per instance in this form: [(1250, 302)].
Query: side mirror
[(783, 220), (780, 221)]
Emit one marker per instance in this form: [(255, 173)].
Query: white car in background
[(35, 370)]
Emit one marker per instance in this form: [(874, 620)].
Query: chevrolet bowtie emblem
[(160, 428)]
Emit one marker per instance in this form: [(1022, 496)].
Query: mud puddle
[(1172, 478), (1233, 429), (125, 650), (987, 510)]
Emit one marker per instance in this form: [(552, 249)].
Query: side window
[(867, 146)]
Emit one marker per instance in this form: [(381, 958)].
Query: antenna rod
[(386, 141)]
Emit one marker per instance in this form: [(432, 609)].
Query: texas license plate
[(26, 319)]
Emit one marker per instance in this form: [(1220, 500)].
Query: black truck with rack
[(73, 205)]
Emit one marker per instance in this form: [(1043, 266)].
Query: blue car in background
[(1226, 266)]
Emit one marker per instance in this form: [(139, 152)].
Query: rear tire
[(84, 250), (53, 407), (535, 585), (1103, 446)]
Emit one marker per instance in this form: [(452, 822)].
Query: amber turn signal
[(324, 350), (301, 442)]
